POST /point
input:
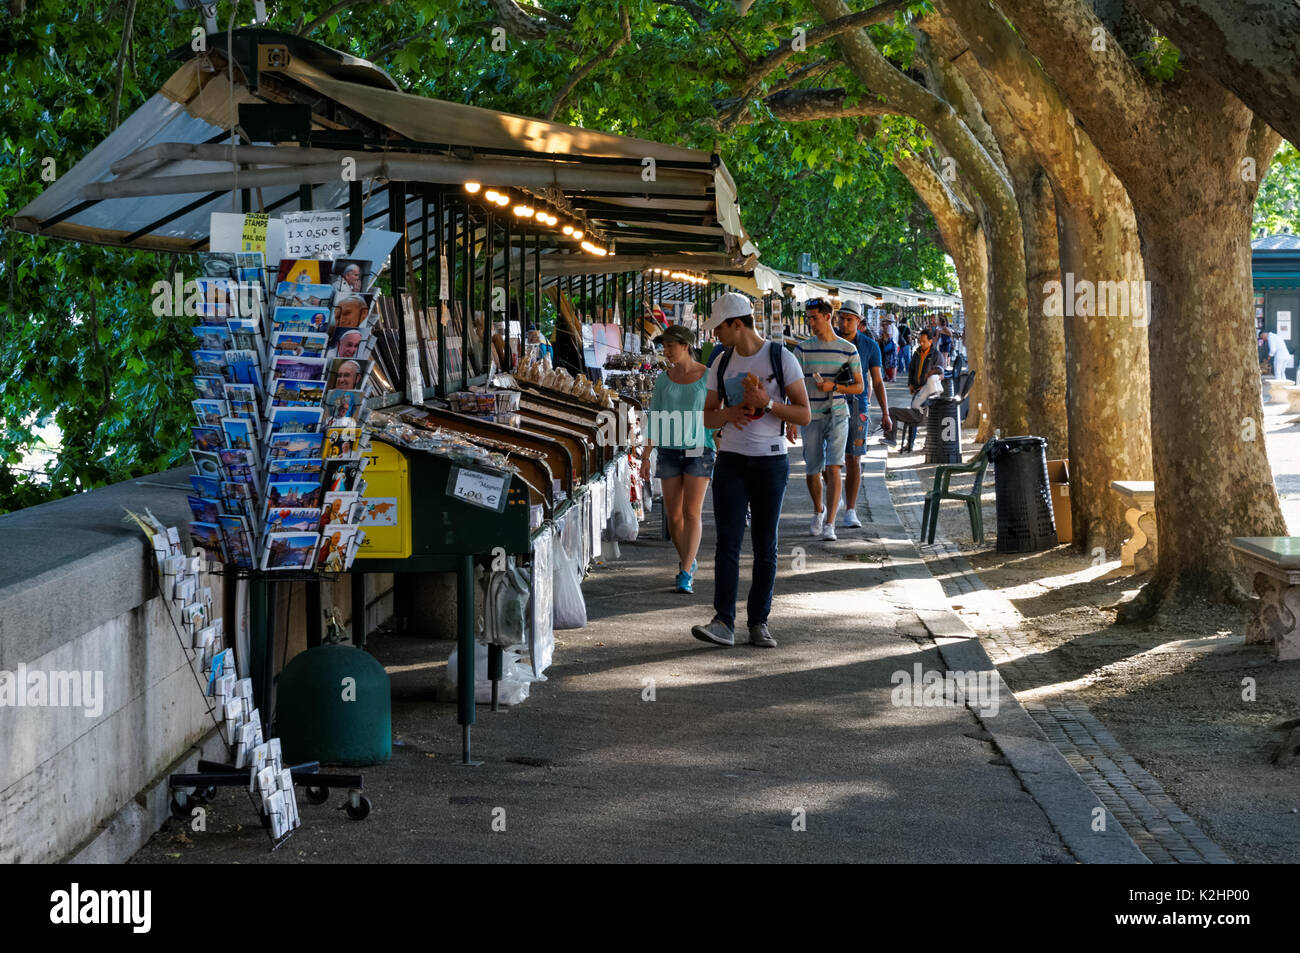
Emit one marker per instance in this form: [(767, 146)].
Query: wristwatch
[(768, 408)]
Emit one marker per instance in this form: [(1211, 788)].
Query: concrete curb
[(1070, 805)]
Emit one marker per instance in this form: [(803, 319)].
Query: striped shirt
[(826, 358)]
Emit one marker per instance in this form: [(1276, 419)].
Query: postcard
[(348, 374), (305, 469), (218, 297), (208, 464), (298, 368), (245, 333), (288, 318), (303, 270), (290, 550), (353, 310), (217, 264), (292, 494), (244, 392), (343, 443), (337, 508), (335, 541), (350, 275), (212, 337), (287, 393), (231, 457), (350, 342), (243, 367), (206, 486), (295, 446), (208, 439), (290, 294), (205, 510), (209, 412), (299, 343), (242, 473), (209, 362), (240, 434), (303, 519), (344, 405), (343, 475), (295, 419), (250, 300), (210, 386), (207, 536)]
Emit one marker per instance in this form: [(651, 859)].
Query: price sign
[(315, 235), (253, 235), (479, 487)]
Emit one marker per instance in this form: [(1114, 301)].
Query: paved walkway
[(737, 746), (1160, 828)]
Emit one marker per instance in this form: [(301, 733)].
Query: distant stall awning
[(155, 181)]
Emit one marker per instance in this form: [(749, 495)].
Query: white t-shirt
[(765, 435)]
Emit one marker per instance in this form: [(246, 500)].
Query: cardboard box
[(1058, 478)]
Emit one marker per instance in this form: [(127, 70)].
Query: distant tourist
[(925, 364), (860, 408)]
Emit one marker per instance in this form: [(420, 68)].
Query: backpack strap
[(722, 360), (776, 352)]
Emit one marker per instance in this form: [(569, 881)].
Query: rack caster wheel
[(180, 806), (204, 795), (317, 795), (358, 806)]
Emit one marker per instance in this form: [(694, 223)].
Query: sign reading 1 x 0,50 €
[(479, 487), (315, 235)]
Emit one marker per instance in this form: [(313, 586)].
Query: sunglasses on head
[(817, 304)]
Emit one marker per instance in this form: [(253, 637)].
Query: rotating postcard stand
[(287, 351)]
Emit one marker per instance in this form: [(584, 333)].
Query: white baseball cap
[(851, 307), (733, 304)]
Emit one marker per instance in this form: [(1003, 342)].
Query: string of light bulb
[(523, 210), (685, 277)]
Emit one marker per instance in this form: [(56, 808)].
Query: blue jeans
[(756, 485)]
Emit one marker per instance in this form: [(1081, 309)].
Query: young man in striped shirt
[(824, 357)]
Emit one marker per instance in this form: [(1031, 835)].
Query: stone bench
[(1139, 552), (1293, 400), (1276, 563), (1277, 389)]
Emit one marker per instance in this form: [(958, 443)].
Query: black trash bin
[(943, 431), (1026, 523)]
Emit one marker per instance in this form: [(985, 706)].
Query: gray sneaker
[(758, 635), (717, 632)]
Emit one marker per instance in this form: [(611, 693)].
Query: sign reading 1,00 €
[(479, 487)]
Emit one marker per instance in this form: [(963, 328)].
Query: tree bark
[(1107, 379), (1193, 198), (1250, 46), (1008, 323)]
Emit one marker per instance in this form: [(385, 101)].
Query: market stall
[(471, 451)]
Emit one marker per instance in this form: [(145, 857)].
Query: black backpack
[(722, 355)]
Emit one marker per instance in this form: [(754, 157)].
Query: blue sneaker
[(693, 565), (684, 581)]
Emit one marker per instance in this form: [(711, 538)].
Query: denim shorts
[(675, 463), (857, 440), (823, 442)]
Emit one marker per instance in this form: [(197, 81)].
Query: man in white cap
[(755, 388)]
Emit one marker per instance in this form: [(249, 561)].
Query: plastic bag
[(623, 523), (541, 575), (570, 606), (502, 606), (516, 679)]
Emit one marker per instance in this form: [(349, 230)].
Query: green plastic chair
[(942, 477)]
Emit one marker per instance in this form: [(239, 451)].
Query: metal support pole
[(465, 655), (440, 258), (356, 214), (495, 668), (397, 223), (359, 609)]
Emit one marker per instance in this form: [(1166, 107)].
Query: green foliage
[(1161, 60), (79, 345), (1277, 207)]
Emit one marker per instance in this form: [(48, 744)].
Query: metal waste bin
[(943, 431), (1026, 523)]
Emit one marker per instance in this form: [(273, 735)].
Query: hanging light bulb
[(523, 211), (567, 229), (472, 187), (503, 199), (491, 195), (577, 234)]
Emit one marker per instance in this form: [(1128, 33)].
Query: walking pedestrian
[(686, 450), (754, 388), (860, 409), (832, 372), (889, 348)]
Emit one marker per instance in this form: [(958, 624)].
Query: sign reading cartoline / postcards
[(315, 235), (1284, 323), (479, 487)]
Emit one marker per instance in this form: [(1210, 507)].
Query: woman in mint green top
[(675, 425)]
